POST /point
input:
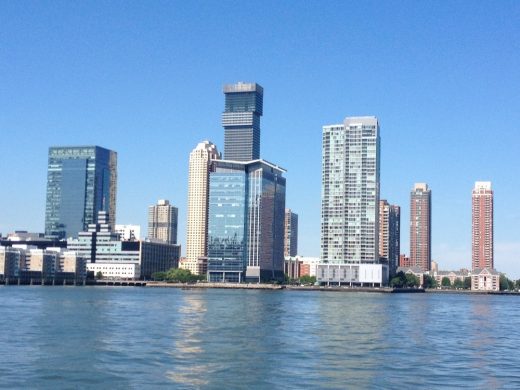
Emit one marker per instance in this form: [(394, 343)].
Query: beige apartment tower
[(198, 192), (482, 226), (162, 222), (421, 226)]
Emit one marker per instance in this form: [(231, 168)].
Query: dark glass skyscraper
[(81, 181), (241, 121)]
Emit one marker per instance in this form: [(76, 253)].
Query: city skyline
[(156, 107)]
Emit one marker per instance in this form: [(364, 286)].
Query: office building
[(350, 204), (198, 193), (389, 234), (482, 226), (246, 221), (129, 232), (106, 253), (241, 121), (291, 233), (420, 226), (162, 222), (81, 181)]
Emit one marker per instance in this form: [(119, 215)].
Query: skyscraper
[(291, 233), (246, 221), (81, 181), (241, 121), (420, 226), (389, 234), (162, 222), (482, 226), (198, 192), (350, 201)]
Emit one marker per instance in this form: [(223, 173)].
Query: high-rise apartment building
[(198, 193), (81, 181), (482, 226), (246, 221), (291, 233), (162, 222), (241, 121), (421, 226), (350, 201), (389, 234)]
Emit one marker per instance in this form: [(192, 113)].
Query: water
[(102, 337)]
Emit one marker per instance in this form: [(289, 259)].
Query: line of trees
[(305, 279), (178, 275), (508, 284)]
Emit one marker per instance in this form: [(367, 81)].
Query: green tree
[(307, 279), (429, 282), (181, 275), (458, 283), (445, 282), (467, 282), (412, 280), (399, 280), (517, 284), (159, 276), (99, 275), (504, 282)]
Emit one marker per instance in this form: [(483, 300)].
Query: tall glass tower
[(246, 221), (241, 121), (81, 181)]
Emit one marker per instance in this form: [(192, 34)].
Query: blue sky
[(145, 79)]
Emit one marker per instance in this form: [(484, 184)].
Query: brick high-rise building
[(420, 226), (482, 226)]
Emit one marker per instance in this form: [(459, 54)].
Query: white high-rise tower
[(198, 191), (350, 201)]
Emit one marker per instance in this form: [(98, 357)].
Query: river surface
[(119, 337)]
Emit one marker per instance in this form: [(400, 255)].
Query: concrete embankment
[(243, 286), (380, 290)]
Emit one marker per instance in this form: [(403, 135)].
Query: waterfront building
[(451, 275), (350, 204), (129, 232), (241, 121), (482, 226), (81, 181), (291, 233), (26, 264), (10, 260), (389, 234), (485, 279), (246, 221), (162, 222), (104, 251), (420, 226), (198, 195), (416, 271)]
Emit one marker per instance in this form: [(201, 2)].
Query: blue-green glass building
[(81, 181), (246, 221)]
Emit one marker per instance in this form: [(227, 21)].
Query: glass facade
[(226, 223), (246, 222), (80, 182), (241, 121)]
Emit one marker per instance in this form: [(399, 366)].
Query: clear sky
[(145, 79)]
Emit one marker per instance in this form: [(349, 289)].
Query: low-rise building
[(451, 275), (107, 253), (416, 271), (485, 279), (359, 274)]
